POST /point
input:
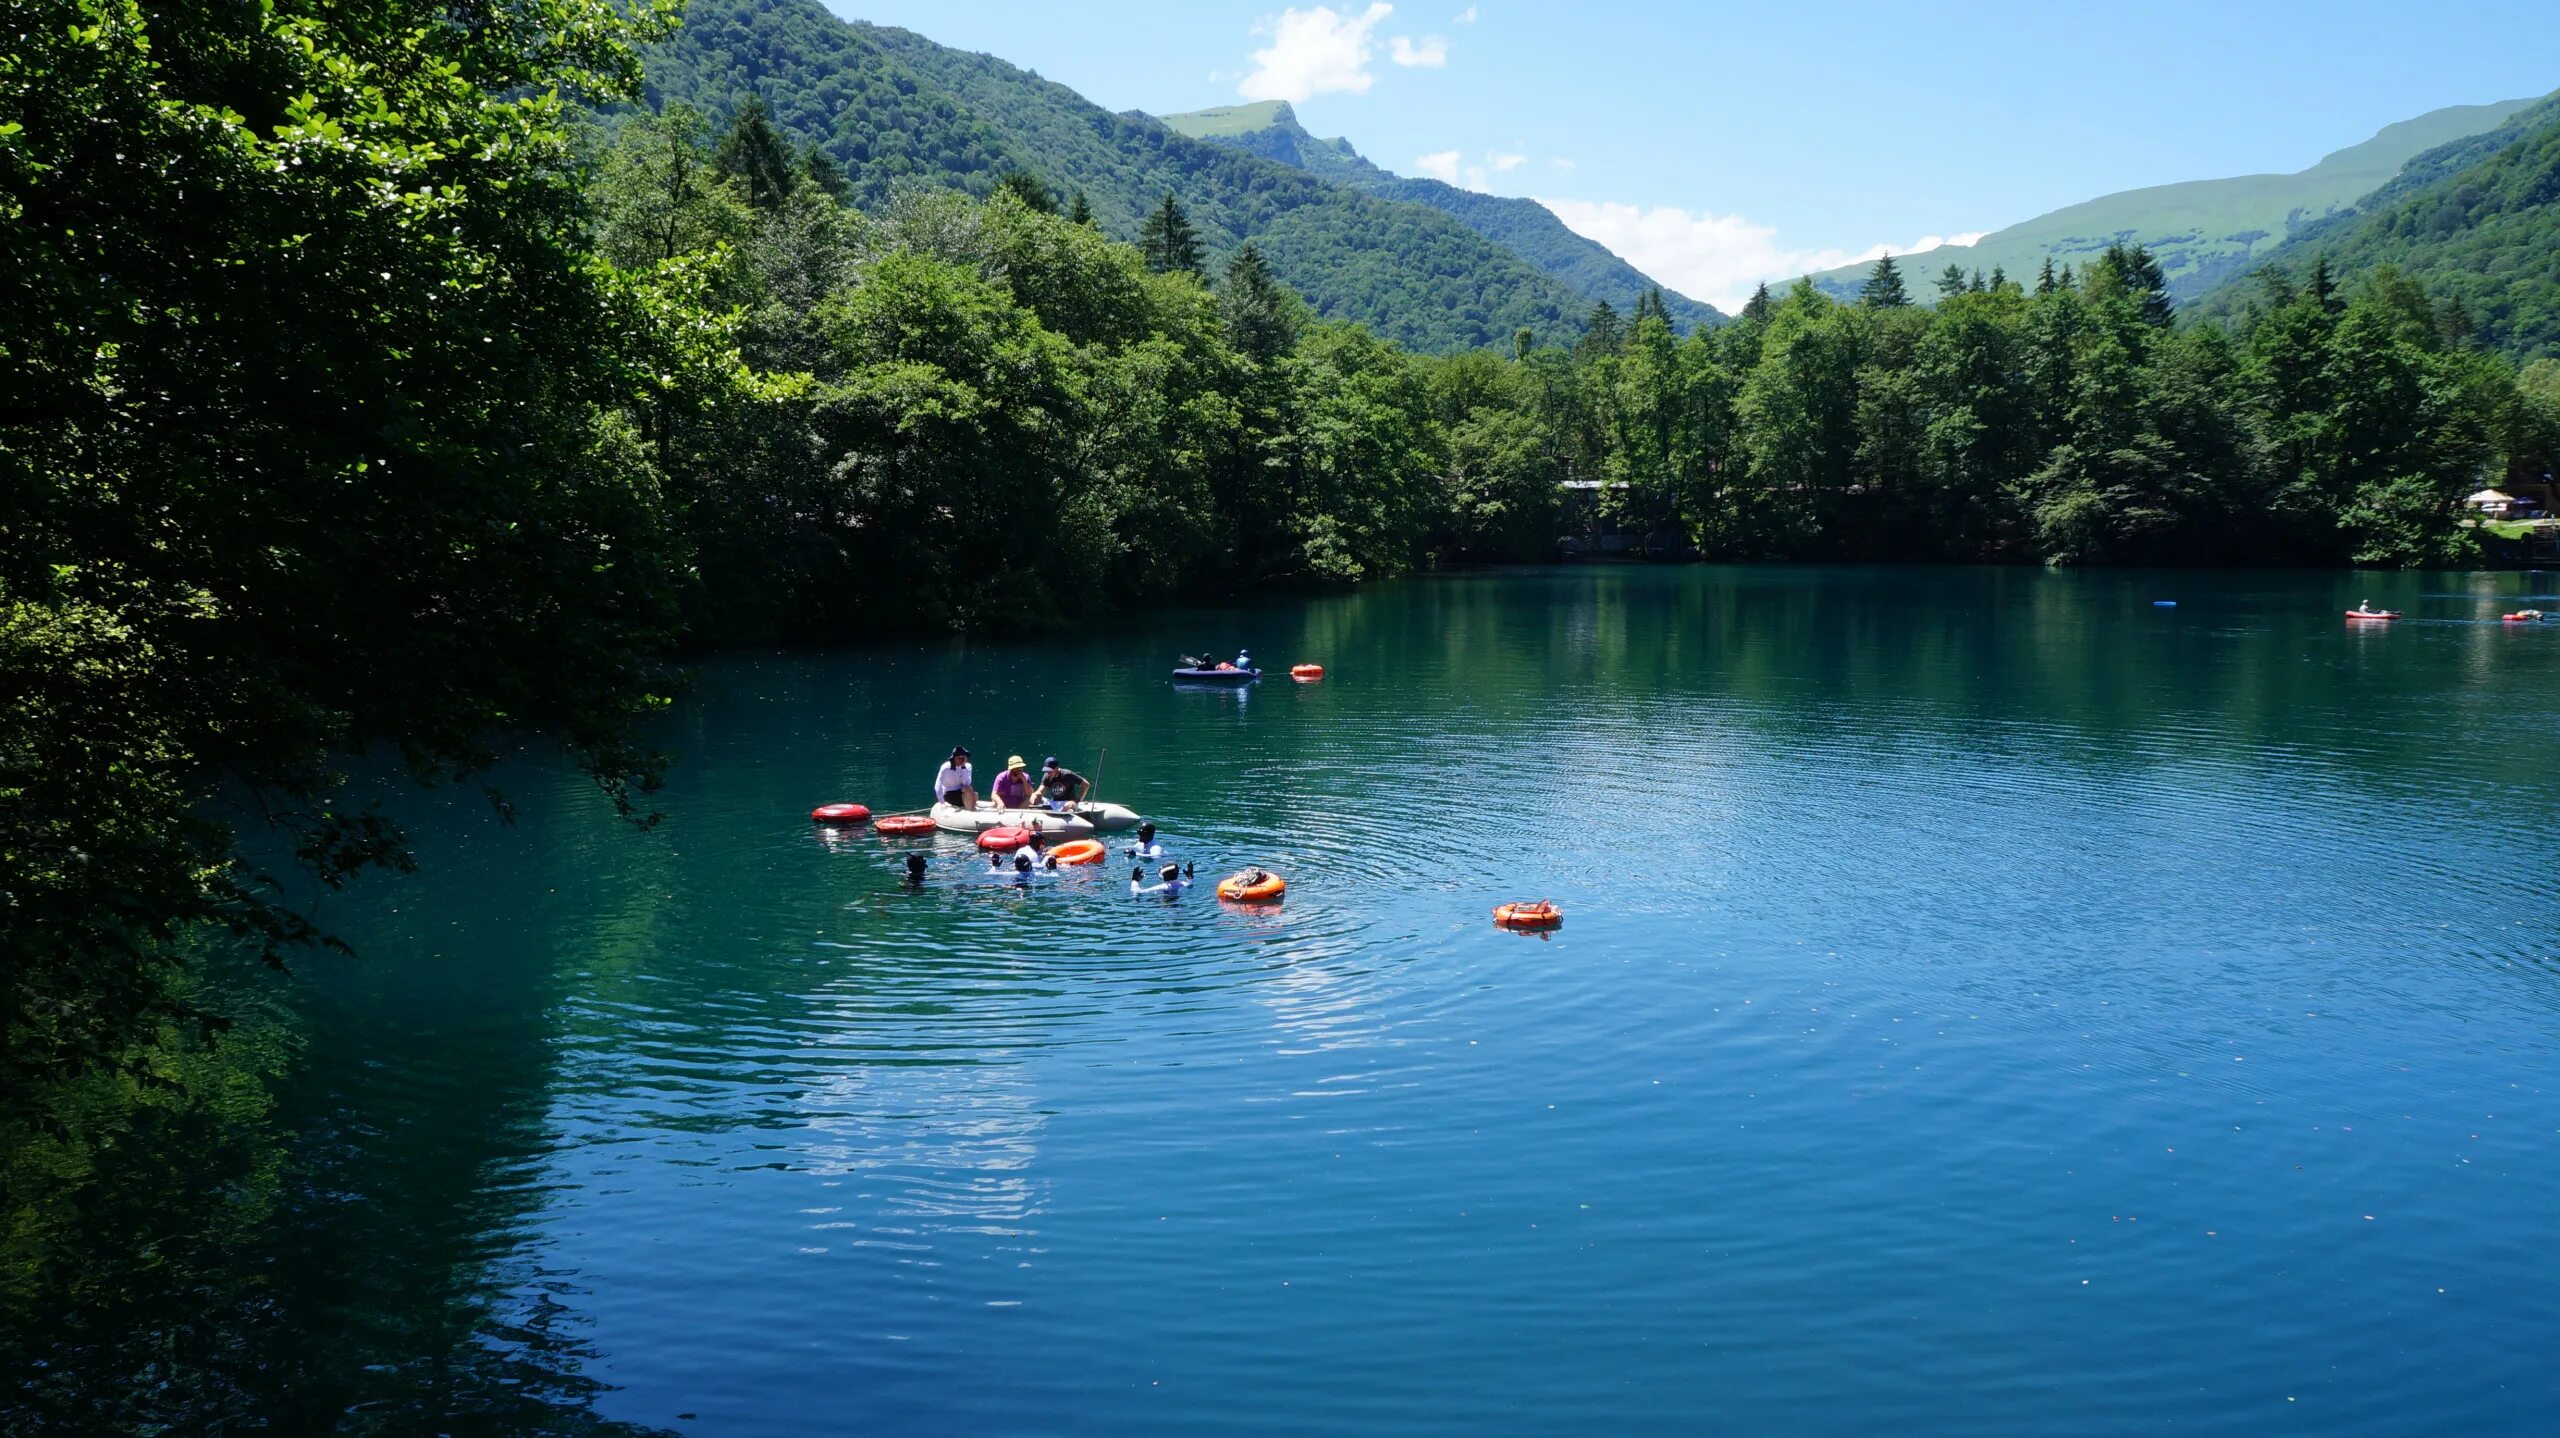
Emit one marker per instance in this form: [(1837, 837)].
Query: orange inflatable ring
[(905, 824), (1003, 836), (1540, 915), (1079, 851), (1306, 671), (1244, 888), (840, 813)]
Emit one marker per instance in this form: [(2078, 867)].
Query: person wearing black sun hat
[(955, 783)]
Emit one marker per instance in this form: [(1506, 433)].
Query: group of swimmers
[(1034, 861), (1058, 788)]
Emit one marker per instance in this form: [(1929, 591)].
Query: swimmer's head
[(1169, 873)]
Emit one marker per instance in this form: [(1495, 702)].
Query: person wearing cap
[(1013, 786), (956, 784), (1061, 786)]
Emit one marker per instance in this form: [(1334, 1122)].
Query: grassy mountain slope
[(2477, 221), (2202, 231), (895, 108), (1524, 227)]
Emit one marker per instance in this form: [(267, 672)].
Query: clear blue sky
[(1792, 129)]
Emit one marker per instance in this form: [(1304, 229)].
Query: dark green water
[(1988, 1004)]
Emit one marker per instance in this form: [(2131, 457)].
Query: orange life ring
[(1079, 851), (1003, 836), (840, 813), (905, 824), (1308, 672), (1540, 915), (1243, 888)]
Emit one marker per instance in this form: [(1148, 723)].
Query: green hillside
[(894, 109), (2203, 232), (1524, 227), (2475, 223)]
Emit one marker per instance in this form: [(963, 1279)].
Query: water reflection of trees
[(352, 1259)]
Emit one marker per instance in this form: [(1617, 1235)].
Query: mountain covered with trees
[(1524, 227), (2203, 232), (2474, 224), (893, 109)]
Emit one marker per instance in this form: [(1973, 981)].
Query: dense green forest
[(893, 109), (387, 385), (2473, 222), (1524, 227)]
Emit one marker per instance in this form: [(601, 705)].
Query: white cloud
[(1501, 162), (1716, 258), (1466, 16), (1561, 163), (1441, 166), (1315, 52), (1430, 52)]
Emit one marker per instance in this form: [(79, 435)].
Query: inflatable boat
[(1079, 820), (1228, 675)]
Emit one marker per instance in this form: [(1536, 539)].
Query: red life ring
[(840, 813), (1079, 851), (1004, 836), (1246, 888), (1540, 915), (1306, 673), (905, 824)]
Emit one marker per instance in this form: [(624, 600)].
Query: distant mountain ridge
[(2203, 232), (894, 108), (1526, 228), (2475, 222)]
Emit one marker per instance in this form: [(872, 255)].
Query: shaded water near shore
[(1988, 1003)]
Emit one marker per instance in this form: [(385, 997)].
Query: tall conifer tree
[(753, 155), (1883, 289), (1168, 241)]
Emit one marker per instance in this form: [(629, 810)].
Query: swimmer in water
[(1172, 879), (915, 871), (1023, 871), (1146, 847)]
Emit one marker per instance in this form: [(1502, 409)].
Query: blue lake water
[(1987, 1003)]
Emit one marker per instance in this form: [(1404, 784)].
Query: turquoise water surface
[(1988, 1003)]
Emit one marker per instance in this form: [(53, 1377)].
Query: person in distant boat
[(1243, 660), (1013, 786), (2364, 606), (1171, 880), (1061, 786), (915, 871), (955, 783), (1146, 847)]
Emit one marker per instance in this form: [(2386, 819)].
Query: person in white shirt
[(955, 783), (1173, 881), (1146, 847)]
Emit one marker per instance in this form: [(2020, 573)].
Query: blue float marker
[(2164, 604)]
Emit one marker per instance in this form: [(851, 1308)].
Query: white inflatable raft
[(1076, 823)]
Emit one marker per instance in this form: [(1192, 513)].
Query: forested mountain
[(2203, 232), (1524, 227), (892, 107), (2474, 224)]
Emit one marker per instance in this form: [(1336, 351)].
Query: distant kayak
[(1216, 676), (2373, 614)]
